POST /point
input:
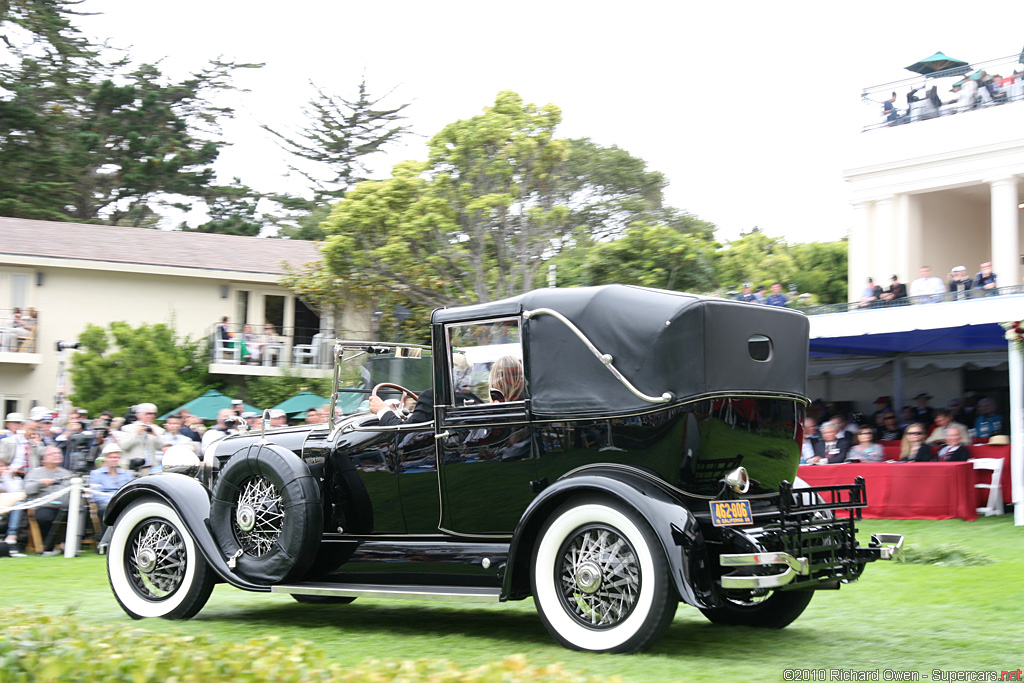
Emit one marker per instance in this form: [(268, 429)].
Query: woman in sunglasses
[(506, 380), (913, 448), (866, 449)]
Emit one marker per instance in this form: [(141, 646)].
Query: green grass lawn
[(899, 616)]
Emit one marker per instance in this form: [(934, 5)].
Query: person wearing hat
[(142, 439), (278, 418), (960, 283), (108, 478), (897, 290), (747, 295), (923, 412), (252, 419), (23, 449)]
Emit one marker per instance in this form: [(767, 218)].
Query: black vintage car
[(608, 451)]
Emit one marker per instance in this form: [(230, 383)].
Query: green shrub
[(47, 648)]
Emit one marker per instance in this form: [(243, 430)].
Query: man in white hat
[(960, 283), (23, 449), (278, 418), (142, 438), (226, 426), (105, 480)]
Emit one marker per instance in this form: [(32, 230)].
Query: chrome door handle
[(442, 435)]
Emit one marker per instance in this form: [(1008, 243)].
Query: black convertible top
[(661, 341)]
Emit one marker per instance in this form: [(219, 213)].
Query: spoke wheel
[(600, 578), (154, 566), (259, 516)]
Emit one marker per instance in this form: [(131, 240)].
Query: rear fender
[(191, 500), (675, 526)]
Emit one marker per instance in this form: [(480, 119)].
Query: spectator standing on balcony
[(985, 280), (871, 294), (987, 424), (776, 298), (897, 290), (927, 287), (892, 116), (747, 295), (960, 283)]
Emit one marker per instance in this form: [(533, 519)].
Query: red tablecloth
[(913, 490), (892, 452)]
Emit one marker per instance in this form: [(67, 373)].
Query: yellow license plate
[(731, 513)]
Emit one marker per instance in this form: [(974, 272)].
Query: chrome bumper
[(880, 543), (793, 567), (882, 547)]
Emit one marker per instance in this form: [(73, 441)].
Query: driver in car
[(462, 377)]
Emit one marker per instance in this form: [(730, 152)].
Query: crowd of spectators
[(978, 90), (776, 298), (923, 432), (927, 288), (41, 452)]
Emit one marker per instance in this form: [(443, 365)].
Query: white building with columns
[(942, 193)]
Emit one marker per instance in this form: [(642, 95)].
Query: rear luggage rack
[(794, 502)]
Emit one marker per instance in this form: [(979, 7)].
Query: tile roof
[(120, 244)]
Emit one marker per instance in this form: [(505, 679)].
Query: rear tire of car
[(600, 580), (154, 566), (267, 505), (777, 610)]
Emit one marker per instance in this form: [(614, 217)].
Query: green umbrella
[(940, 65), (208, 405), (301, 402)]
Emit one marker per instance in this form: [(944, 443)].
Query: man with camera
[(142, 443), (227, 424)]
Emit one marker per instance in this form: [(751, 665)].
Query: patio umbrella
[(939, 65), (207, 405), (301, 402)]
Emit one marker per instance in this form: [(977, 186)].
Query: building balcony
[(270, 353), (18, 337)]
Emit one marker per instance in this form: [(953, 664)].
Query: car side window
[(486, 362)]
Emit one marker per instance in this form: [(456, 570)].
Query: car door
[(484, 441)]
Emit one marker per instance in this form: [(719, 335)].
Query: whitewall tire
[(154, 566), (600, 579)]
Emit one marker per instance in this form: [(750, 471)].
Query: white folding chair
[(994, 487), (227, 351), (308, 354)]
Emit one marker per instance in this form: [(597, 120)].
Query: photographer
[(77, 446), (142, 442), (227, 424)]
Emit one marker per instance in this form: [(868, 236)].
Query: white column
[(1016, 473), (1005, 239), (859, 243), (880, 252)]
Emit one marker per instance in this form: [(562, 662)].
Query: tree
[(92, 139), (124, 366), (817, 267), (339, 136), (497, 199), (232, 211)]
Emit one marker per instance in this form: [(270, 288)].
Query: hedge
[(56, 648)]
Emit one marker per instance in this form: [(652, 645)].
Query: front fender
[(191, 500), (675, 526)]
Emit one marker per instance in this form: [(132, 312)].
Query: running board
[(369, 590)]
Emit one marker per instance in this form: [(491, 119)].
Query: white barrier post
[(75, 504)]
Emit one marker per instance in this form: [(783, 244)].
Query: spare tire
[(267, 504)]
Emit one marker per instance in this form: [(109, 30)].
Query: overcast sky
[(748, 108)]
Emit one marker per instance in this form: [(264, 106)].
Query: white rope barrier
[(39, 502)]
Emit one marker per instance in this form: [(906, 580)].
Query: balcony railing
[(923, 108), (294, 347), (18, 330), (856, 306)]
